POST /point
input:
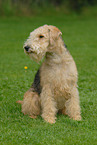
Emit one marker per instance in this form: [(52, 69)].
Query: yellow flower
[(25, 67)]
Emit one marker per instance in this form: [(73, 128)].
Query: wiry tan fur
[(58, 75), (30, 104)]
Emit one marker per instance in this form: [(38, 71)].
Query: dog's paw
[(77, 118), (33, 116), (50, 120)]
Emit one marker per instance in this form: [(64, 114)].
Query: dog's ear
[(54, 34)]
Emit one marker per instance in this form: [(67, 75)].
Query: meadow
[(80, 36)]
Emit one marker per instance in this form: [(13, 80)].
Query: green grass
[(80, 36)]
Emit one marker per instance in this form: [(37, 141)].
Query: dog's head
[(41, 40)]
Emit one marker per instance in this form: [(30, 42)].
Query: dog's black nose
[(26, 48)]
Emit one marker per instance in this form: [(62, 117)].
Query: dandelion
[(25, 67)]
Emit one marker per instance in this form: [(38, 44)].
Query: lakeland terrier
[(55, 84)]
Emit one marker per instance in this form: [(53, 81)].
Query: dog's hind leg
[(72, 105)]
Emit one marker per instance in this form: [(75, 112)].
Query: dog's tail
[(19, 102)]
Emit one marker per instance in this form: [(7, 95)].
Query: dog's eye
[(41, 36)]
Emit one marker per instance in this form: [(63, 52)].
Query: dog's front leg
[(48, 105)]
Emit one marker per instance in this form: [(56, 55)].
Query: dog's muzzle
[(27, 48)]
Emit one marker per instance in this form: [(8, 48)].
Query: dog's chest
[(56, 77), (52, 75)]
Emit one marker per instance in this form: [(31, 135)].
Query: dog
[(55, 84)]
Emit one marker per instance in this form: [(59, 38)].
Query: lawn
[(80, 36)]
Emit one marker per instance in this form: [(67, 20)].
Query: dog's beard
[(36, 57), (36, 53)]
